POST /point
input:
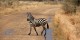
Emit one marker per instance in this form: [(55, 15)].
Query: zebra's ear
[(27, 13)]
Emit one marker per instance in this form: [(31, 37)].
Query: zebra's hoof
[(37, 34), (29, 34)]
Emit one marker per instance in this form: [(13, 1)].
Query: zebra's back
[(40, 21)]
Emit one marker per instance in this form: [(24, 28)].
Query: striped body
[(38, 22)]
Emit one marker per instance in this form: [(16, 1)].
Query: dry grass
[(67, 27)]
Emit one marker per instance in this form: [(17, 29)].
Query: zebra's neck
[(32, 21)]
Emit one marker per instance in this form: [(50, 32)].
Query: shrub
[(69, 6)]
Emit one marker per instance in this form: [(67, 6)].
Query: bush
[(69, 6)]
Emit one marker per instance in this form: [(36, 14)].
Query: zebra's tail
[(47, 26)]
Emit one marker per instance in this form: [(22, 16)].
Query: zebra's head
[(29, 16)]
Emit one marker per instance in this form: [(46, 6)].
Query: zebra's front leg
[(30, 31), (35, 30)]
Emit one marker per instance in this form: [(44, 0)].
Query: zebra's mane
[(30, 15)]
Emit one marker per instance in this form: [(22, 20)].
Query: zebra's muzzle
[(27, 19)]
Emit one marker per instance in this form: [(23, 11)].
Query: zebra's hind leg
[(45, 33), (30, 31), (35, 30), (44, 29)]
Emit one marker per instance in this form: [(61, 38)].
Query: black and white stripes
[(36, 23)]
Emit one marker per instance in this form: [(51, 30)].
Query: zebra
[(37, 23)]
